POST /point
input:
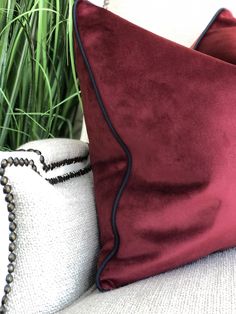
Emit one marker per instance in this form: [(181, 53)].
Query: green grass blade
[(39, 91)]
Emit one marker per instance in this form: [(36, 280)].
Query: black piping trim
[(119, 141), (196, 45), (57, 164), (68, 176)]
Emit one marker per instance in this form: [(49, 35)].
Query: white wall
[(97, 2), (181, 21)]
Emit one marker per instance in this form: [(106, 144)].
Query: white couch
[(207, 286)]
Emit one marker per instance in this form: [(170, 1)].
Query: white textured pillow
[(56, 226)]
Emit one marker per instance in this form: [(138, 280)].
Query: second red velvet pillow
[(219, 38), (161, 123)]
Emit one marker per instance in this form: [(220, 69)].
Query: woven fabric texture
[(57, 229), (207, 286)]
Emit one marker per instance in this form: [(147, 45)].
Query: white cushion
[(57, 239), (207, 286)]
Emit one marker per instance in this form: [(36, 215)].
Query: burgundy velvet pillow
[(161, 123), (219, 37)]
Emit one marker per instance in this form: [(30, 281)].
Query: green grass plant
[(39, 93)]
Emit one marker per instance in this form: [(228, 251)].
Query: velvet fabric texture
[(219, 38), (161, 123)]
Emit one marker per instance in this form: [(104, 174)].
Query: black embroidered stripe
[(57, 164), (69, 176)]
